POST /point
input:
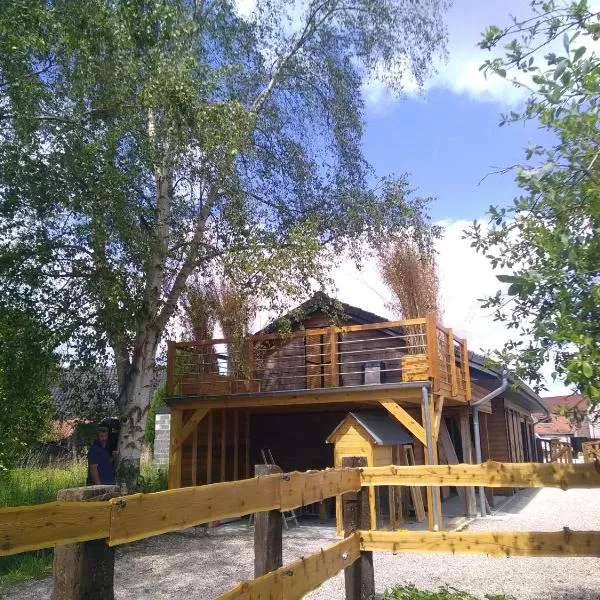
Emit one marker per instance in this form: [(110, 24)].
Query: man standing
[(100, 463)]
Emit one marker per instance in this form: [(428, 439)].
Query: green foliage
[(35, 485), (158, 401), (410, 592), (548, 240), (142, 141), (27, 369)]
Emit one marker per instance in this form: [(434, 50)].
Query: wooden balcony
[(317, 363)]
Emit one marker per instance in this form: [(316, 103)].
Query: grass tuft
[(410, 592), (32, 484)]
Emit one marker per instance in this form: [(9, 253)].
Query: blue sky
[(447, 139)]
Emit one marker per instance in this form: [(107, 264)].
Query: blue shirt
[(98, 455)]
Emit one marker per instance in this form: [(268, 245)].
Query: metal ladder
[(288, 515)]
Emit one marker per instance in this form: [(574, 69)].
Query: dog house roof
[(381, 427)]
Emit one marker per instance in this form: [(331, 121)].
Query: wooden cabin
[(230, 400)]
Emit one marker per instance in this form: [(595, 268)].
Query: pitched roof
[(571, 401), (321, 302), (383, 429), (557, 426)]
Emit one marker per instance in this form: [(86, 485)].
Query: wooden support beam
[(432, 351), (236, 444), (492, 543), (452, 364), (247, 444), (268, 533), (209, 446), (195, 457), (189, 426), (334, 358), (223, 445), (465, 368), (405, 419), (176, 424), (437, 419), (359, 577), (467, 452), (451, 456), (171, 362)]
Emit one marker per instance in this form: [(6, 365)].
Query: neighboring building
[(588, 427), (295, 389), (557, 428)]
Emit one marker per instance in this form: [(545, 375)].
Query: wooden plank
[(295, 399), (174, 450), (236, 444), (209, 446), (247, 444), (195, 457), (188, 428), (171, 363), (300, 577), (405, 419), (493, 543), (451, 456), (488, 474), (382, 325), (452, 363), (466, 369), (432, 351), (25, 528), (437, 419), (300, 489), (223, 445), (334, 373), (415, 491), (144, 515)]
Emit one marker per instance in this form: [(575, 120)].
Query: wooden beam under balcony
[(407, 392)]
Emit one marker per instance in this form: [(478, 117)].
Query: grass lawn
[(35, 485), (409, 592)]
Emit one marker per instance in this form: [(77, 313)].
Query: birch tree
[(144, 140)]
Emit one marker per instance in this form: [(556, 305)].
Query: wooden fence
[(125, 519), (591, 451), (551, 451)]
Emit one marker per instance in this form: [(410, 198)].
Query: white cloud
[(465, 276)]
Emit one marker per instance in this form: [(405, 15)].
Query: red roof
[(572, 401), (558, 426)]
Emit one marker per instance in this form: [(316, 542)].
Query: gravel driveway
[(191, 564)]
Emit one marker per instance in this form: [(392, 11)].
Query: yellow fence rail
[(138, 516), (129, 518)]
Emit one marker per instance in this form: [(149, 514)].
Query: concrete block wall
[(162, 431)]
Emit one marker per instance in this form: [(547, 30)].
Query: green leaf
[(587, 369)]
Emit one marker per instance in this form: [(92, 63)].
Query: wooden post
[(432, 351), (171, 359), (195, 456), (268, 533), (176, 425), (452, 364), (84, 571), (467, 451), (333, 358), (209, 447), (236, 444), (359, 576), (223, 444), (466, 371)]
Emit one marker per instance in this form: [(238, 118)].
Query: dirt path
[(193, 565)]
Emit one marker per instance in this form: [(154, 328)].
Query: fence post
[(359, 576), (84, 571), (268, 533)]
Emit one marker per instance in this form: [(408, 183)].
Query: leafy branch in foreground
[(547, 241)]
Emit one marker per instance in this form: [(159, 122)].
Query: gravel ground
[(193, 564)]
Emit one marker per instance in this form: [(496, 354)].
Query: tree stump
[(85, 570)]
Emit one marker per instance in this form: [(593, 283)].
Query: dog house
[(383, 441)]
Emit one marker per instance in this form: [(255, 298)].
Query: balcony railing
[(388, 352)]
